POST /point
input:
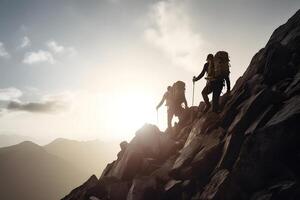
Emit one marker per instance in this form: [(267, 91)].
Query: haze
[(96, 69)]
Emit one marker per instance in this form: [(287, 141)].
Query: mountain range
[(34, 172)]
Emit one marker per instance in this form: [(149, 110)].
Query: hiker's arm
[(201, 74), (227, 83), (161, 102)]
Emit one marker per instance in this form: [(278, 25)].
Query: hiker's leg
[(217, 89), (206, 90)]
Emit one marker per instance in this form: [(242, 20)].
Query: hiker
[(217, 69), (221, 74), (174, 98)]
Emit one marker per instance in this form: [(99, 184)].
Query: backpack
[(210, 71), (178, 92), (221, 65)]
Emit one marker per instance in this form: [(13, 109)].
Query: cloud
[(169, 29), (65, 96), (10, 100), (60, 49), (37, 107), (38, 57), (3, 52), (56, 48), (25, 42), (9, 94)]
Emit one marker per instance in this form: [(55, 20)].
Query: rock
[(162, 173), (213, 190), (109, 188), (205, 161), (173, 190), (186, 156), (184, 133), (200, 156), (144, 188), (123, 146), (291, 109), (149, 142), (80, 192), (288, 189), (277, 59)]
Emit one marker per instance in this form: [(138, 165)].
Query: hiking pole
[(193, 93)]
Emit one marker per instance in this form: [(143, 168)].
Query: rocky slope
[(248, 151)]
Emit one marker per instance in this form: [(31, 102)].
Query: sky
[(97, 68)]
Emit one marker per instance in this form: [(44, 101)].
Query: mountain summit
[(248, 151)]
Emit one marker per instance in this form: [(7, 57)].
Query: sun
[(128, 111)]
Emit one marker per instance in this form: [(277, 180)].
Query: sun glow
[(128, 111)]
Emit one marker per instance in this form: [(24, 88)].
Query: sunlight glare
[(128, 112)]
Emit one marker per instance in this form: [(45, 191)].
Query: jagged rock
[(172, 189), (144, 188), (162, 173), (200, 156), (215, 188), (123, 146), (288, 190), (277, 59), (291, 109), (109, 188), (149, 142), (80, 192), (205, 161), (186, 157)]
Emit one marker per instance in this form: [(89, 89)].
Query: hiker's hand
[(194, 78), (156, 107)]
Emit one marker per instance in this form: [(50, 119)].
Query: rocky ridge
[(248, 151)]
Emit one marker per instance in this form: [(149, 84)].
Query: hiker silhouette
[(217, 70), (174, 98)]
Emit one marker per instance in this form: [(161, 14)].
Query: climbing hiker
[(221, 74), (209, 69), (174, 97), (217, 69)]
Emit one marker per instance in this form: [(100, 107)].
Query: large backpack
[(221, 65), (178, 91)]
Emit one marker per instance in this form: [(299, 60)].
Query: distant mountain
[(29, 172), (88, 156), (8, 140)]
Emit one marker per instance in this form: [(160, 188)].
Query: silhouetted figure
[(207, 68), (174, 97), (221, 74), (217, 70)]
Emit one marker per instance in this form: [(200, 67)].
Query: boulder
[(149, 142), (215, 188), (288, 189), (143, 188), (80, 193)]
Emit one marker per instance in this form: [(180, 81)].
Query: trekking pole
[(193, 93)]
